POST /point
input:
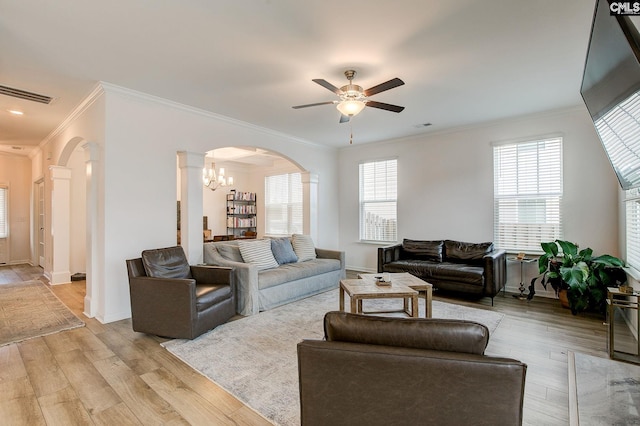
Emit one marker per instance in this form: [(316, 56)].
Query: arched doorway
[(78, 162), (248, 166)]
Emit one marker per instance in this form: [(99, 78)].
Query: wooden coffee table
[(360, 289), (410, 281)]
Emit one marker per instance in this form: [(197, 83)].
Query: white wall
[(445, 186), (143, 135), (15, 171)]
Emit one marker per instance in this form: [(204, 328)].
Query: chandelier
[(213, 180)]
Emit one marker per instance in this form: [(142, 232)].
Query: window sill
[(377, 243)]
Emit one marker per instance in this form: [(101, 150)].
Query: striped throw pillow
[(257, 252), (303, 247)]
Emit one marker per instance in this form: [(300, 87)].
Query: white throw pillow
[(257, 252), (303, 246)]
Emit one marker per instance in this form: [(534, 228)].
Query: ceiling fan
[(353, 98)]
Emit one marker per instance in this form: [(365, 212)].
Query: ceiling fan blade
[(327, 85), (383, 86), (387, 107), (316, 104), (344, 118)]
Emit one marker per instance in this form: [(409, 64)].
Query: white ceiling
[(463, 61)]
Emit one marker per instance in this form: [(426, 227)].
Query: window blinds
[(632, 202), (620, 135), (283, 204), (4, 226), (378, 201), (527, 194)]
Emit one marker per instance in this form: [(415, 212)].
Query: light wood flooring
[(108, 374)]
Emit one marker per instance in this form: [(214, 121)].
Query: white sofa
[(260, 290)]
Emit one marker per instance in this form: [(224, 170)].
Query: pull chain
[(351, 135)]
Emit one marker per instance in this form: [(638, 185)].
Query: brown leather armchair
[(170, 298), (400, 371)]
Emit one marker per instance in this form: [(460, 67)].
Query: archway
[(248, 167), (79, 161)]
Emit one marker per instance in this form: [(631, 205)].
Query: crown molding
[(108, 87), (95, 93)]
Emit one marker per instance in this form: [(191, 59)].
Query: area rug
[(603, 391), (29, 309), (255, 358)]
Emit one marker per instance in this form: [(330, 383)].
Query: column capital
[(190, 159), (60, 172)]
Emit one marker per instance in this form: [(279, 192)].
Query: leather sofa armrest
[(371, 384), (169, 302), (495, 271), (388, 254), (420, 333), (211, 274)]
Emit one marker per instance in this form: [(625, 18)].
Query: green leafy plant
[(583, 276)]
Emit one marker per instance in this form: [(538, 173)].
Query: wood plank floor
[(108, 374)]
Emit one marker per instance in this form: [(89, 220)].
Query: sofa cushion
[(442, 271), (170, 262), (457, 251), (258, 253), (303, 246), (283, 251), (230, 252), (296, 271), (208, 295), (423, 250)]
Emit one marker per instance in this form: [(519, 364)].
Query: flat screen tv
[(611, 90)]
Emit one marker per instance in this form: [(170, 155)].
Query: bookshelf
[(241, 214)]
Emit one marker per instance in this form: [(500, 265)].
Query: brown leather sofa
[(475, 269), (405, 371), (170, 298)]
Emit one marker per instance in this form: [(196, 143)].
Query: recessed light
[(15, 112)]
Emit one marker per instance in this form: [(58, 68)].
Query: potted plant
[(583, 277)]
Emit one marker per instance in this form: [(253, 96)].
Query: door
[(40, 222)]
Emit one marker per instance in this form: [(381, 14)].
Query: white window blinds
[(283, 204), (4, 226), (527, 194), (633, 227), (378, 201), (620, 135)]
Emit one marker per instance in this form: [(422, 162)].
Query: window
[(632, 200), (527, 194), (378, 201), (283, 204), (4, 226)]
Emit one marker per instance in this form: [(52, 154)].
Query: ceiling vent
[(23, 94)]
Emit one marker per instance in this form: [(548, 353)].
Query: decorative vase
[(564, 299)]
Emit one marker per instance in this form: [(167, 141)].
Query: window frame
[(632, 231), (369, 237), (290, 206), (528, 188)]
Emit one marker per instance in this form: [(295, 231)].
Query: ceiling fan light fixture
[(350, 107)]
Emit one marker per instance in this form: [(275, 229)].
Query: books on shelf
[(241, 196), (240, 222), (242, 209)]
